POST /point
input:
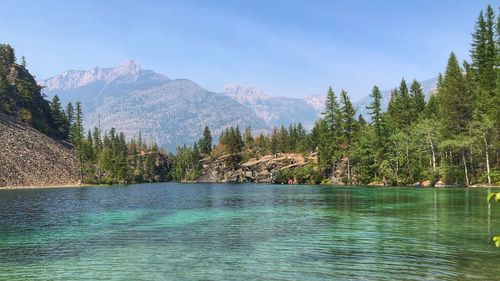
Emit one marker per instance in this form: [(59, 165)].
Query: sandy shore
[(46, 186)]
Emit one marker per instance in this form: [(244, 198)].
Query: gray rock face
[(277, 111), (30, 158), (263, 170), (132, 100)]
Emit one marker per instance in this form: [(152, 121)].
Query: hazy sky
[(290, 48)]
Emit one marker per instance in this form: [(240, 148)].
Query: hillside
[(30, 158), (174, 112), (274, 110), (133, 100), (428, 86)]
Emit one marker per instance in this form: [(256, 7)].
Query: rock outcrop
[(263, 170), (30, 158)]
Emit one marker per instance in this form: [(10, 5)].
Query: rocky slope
[(30, 158), (263, 170)]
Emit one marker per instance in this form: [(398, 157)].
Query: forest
[(450, 138)]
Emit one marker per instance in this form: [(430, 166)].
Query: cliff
[(267, 169), (30, 158)]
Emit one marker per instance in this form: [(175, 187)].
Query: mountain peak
[(129, 70), (234, 89), (128, 66)]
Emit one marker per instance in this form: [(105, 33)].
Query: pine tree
[(455, 99), (349, 127), (23, 62), (275, 140), (248, 138), (484, 57), (5, 103), (205, 143), (417, 100), (376, 113), (332, 112), (77, 127), (361, 121), (348, 123), (70, 114), (58, 117), (330, 138)]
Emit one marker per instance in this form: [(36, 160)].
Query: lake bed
[(247, 231)]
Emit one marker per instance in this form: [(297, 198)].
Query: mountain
[(274, 110), (168, 111), (427, 85), (173, 112), (30, 158)]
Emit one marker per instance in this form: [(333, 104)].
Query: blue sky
[(289, 48)]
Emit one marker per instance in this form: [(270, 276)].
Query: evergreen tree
[(77, 127), (205, 143), (248, 138), (455, 99), (70, 114), (361, 121), (59, 118), (348, 124), (376, 114), (23, 62), (332, 114), (417, 100)]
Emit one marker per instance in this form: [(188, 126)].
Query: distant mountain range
[(133, 100), (174, 111), (427, 85)]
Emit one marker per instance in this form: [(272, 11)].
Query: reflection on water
[(241, 232)]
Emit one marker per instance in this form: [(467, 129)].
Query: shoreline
[(76, 185), (9, 187)]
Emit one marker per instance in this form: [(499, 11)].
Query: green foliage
[(186, 165), (455, 99), (494, 196), (452, 138), (205, 143)]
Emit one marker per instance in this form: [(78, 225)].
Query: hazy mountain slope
[(91, 86), (275, 111), (173, 113), (30, 158), (283, 110), (170, 112), (428, 86)]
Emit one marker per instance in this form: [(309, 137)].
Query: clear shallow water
[(240, 232)]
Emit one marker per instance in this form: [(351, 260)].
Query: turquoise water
[(242, 232)]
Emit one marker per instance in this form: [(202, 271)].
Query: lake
[(172, 231)]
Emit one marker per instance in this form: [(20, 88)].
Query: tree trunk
[(408, 168), (397, 176), (487, 159), (348, 171), (433, 159), (465, 169)]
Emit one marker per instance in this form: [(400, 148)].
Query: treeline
[(21, 97), (105, 157), (113, 160), (452, 138)]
